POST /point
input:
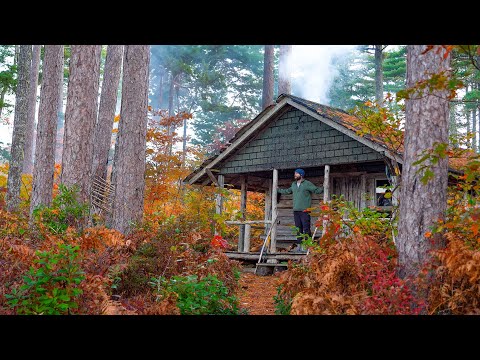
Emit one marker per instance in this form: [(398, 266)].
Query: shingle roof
[(339, 116)]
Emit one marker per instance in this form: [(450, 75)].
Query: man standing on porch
[(302, 190)]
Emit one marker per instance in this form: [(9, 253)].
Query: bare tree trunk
[(43, 171), (2, 98), (129, 164), (478, 131), (17, 54), (80, 117), (379, 74), (61, 118), (426, 122), (14, 180), (474, 129), (160, 100), (106, 112), (171, 92), (268, 78), (452, 125), (32, 105), (284, 70)]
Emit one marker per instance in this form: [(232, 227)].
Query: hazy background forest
[(75, 151)]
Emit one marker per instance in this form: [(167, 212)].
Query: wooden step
[(265, 269)]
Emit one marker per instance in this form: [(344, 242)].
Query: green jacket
[(302, 195)]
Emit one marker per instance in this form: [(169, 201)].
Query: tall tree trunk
[(171, 93), (379, 74), (268, 76), (32, 105), (16, 55), (61, 117), (48, 109), (426, 122), (452, 125), (478, 131), (129, 165), (474, 129), (106, 112), (284, 70), (14, 180), (2, 98), (160, 100), (80, 117)]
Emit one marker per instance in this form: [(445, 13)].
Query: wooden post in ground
[(268, 206), (363, 191), (219, 199), (243, 207), (246, 239), (396, 192), (273, 234), (326, 191)]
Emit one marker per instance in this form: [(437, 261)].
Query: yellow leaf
[(116, 118), (114, 131)]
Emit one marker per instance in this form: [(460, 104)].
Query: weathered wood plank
[(246, 239), (211, 176), (219, 198), (273, 247), (268, 205), (243, 206)]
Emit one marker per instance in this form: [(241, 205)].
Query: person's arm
[(285, 191), (315, 189)]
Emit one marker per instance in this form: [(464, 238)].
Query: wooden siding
[(297, 138)]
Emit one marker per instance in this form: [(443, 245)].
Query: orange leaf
[(428, 234), (356, 228), (116, 118), (475, 228)]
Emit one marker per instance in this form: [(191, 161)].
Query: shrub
[(50, 289), (207, 296), (65, 211)]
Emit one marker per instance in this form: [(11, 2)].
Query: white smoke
[(312, 72)]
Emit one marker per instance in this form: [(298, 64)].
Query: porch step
[(265, 269)]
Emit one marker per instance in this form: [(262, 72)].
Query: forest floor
[(257, 292)]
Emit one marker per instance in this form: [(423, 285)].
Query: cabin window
[(380, 185)]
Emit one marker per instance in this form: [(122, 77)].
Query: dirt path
[(257, 292)]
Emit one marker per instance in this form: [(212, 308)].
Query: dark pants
[(302, 222)]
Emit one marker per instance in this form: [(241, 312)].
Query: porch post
[(273, 233), (395, 193), (243, 206), (246, 242), (268, 206), (363, 191), (326, 191), (219, 198)]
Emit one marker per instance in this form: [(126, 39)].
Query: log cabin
[(297, 133)]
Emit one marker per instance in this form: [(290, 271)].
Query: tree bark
[(268, 76), (129, 165), (80, 118), (284, 70), (44, 169), (379, 74), (106, 112), (170, 97), (474, 129), (426, 122), (2, 98), (61, 117), (160, 100), (14, 180), (32, 105)]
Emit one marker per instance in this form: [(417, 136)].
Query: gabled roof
[(334, 117)]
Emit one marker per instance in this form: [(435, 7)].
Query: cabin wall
[(297, 138)]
